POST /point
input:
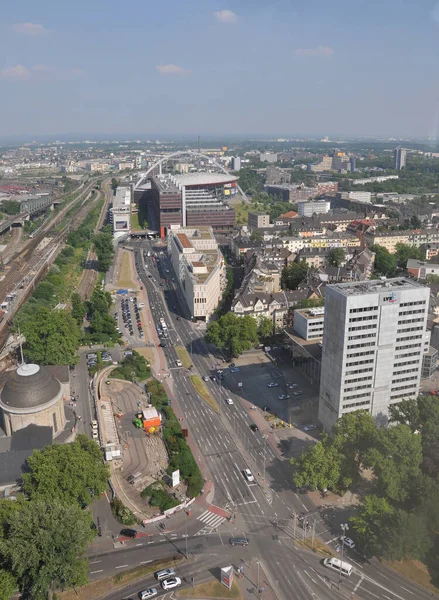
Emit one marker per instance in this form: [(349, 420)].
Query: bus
[(337, 565)]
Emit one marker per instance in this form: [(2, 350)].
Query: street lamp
[(344, 528)]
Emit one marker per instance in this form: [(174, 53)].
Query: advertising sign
[(175, 478), (227, 576)]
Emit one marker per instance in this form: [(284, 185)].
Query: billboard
[(227, 576), (175, 478), (121, 224)]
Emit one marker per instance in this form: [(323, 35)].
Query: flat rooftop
[(203, 179), (184, 240), (165, 184), (312, 313), (376, 286)]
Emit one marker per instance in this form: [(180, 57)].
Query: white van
[(337, 565)]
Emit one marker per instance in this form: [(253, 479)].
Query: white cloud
[(172, 70), (319, 52), (30, 28), (17, 73), (20, 73), (225, 16)]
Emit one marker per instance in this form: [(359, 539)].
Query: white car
[(272, 384), (172, 582), (178, 363), (347, 541), (309, 427), (248, 475), (205, 378), (229, 401), (293, 386), (149, 593)]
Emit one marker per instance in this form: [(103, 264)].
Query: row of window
[(363, 353), (365, 318), (348, 381), (403, 395), (408, 346), (358, 387), (356, 404), (368, 370), (411, 378), (200, 300), (407, 354), (417, 303), (415, 370), (362, 395), (410, 329), (364, 345), (407, 362), (359, 362), (371, 326), (411, 321), (409, 337), (363, 309), (411, 312), (403, 387), (361, 336)]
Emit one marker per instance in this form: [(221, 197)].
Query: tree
[(8, 585), (396, 459), (10, 207), (79, 308), (404, 252), (405, 536), (369, 521), (415, 222), (336, 257), (406, 412), (114, 185), (265, 328), (52, 337), (318, 467), (233, 334), (294, 274), (385, 263), (69, 473), (103, 244), (432, 279), (46, 545), (257, 235)]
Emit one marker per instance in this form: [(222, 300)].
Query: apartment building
[(308, 209), (258, 219), (334, 240), (420, 269), (389, 239), (373, 346), (120, 212), (309, 323), (200, 268)]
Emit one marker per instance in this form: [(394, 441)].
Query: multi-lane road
[(227, 445)]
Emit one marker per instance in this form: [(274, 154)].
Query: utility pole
[(186, 540), (313, 533), (344, 528), (259, 587)]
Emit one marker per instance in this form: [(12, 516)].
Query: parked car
[(234, 370), (272, 384), (298, 393), (149, 593), (132, 533), (164, 574), (347, 541), (309, 427), (284, 397), (292, 386), (254, 427), (171, 583)]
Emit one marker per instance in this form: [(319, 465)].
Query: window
[(360, 362), (411, 312), (410, 329), (55, 422), (370, 326), (363, 395), (412, 378), (366, 318), (361, 336), (408, 346), (412, 303), (352, 346), (363, 353), (363, 309), (358, 387), (410, 321), (355, 404)]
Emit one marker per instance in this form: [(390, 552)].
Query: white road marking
[(121, 567), (145, 562), (95, 562), (406, 590), (358, 585), (369, 592), (93, 572), (139, 544)]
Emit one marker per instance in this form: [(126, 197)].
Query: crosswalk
[(211, 520)]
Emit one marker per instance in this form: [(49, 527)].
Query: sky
[(199, 67)]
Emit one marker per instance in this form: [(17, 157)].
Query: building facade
[(199, 267), (258, 219), (120, 212), (309, 323), (373, 347), (308, 209), (399, 158)]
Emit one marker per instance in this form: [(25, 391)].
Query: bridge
[(28, 207)]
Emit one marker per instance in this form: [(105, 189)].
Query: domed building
[(33, 395)]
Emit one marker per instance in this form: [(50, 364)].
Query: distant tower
[(353, 163), (399, 156)]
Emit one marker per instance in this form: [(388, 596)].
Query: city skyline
[(325, 69)]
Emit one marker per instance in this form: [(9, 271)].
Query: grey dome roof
[(29, 386)]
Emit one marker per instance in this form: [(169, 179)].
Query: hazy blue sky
[(212, 66)]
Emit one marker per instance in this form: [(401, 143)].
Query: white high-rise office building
[(373, 345), (399, 157)]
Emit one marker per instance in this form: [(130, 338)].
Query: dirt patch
[(211, 589), (415, 571), (146, 352), (125, 273)]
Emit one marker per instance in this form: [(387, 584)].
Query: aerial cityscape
[(219, 302)]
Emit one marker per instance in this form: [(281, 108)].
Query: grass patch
[(146, 353), (415, 571), (125, 273), (211, 589), (318, 547), (202, 390), (183, 355), (99, 589)]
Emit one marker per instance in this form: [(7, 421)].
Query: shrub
[(122, 513)]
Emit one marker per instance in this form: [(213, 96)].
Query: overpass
[(28, 207)]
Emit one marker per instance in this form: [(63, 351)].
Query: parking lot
[(274, 385)]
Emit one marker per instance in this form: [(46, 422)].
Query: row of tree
[(44, 534), (389, 264), (234, 335), (398, 465)]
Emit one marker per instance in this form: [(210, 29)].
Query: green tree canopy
[(70, 473), (79, 308), (233, 334), (404, 252), (46, 545), (372, 515), (265, 328), (103, 244), (319, 467), (294, 274), (385, 263), (52, 337), (8, 585), (336, 257)]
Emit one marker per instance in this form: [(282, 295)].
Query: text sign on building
[(389, 298), (175, 478), (227, 576)]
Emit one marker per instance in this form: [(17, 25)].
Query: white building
[(308, 209), (309, 322), (269, 157), (200, 268), (121, 211), (360, 196), (236, 163), (373, 346)]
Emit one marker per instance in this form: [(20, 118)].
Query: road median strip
[(202, 390)]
